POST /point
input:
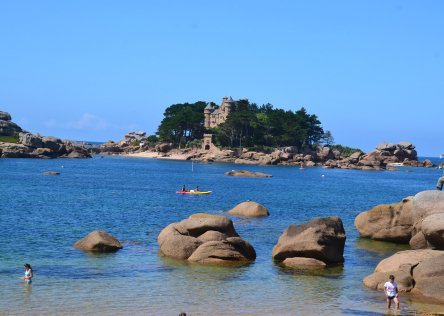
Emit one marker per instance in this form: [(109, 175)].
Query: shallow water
[(134, 199)]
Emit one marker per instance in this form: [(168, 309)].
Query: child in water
[(28, 273)]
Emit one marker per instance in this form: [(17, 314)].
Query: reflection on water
[(381, 248)]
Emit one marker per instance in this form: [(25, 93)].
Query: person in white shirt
[(391, 292)]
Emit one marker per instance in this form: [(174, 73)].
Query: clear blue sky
[(373, 71)]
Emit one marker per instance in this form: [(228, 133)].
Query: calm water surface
[(134, 199)]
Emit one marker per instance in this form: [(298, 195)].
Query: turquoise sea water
[(134, 199)]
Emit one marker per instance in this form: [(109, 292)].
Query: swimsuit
[(27, 274)]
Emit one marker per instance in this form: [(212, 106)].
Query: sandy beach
[(150, 154)]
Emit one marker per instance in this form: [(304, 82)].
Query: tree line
[(247, 125)]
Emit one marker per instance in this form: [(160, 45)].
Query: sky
[(372, 71)]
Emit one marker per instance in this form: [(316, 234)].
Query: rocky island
[(386, 156)]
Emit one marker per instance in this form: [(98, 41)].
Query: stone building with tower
[(215, 115)]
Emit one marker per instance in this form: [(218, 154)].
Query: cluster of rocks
[(385, 155), (36, 146), (419, 221), (133, 142), (205, 238), (212, 239)]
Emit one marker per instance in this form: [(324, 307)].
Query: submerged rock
[(244, 173), (304, 263), (205, 238), (98, 241), (51, 173)]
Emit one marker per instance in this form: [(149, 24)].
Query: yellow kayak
[(193, 192)]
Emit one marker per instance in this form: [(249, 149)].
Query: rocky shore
[(418, 221), (385, 156), (22, 144)]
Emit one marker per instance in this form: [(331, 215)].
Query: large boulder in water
[(387, 222), (249, 209), (205, 238), (419, 271), (98, 241), (321, 238), (232, 249), (418, 220)]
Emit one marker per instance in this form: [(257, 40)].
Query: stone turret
[(215, 115), (207, 111)]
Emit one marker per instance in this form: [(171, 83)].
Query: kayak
[(193, 192)]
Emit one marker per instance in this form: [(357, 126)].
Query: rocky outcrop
[(98, 241), (418, 220), (244, 173), (207, 239), (417, 271), (428, 220), (321, 238), (5, 116), (29, 145), (387, 222), (135, 136), (36, 146), (249, 209), (8, 128)]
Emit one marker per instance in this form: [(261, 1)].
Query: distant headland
[(17, 143)]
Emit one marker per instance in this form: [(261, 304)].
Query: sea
[(42, 216)]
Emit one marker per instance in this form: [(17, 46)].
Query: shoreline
[(155, 155)]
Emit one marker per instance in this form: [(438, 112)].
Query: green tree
[(327, 138), (182, 123)]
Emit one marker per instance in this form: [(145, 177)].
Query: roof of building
[(209, 106)]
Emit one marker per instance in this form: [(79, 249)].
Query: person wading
[(391, 292)]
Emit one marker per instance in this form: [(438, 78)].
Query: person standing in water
[(391, 292), (28, 273)]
